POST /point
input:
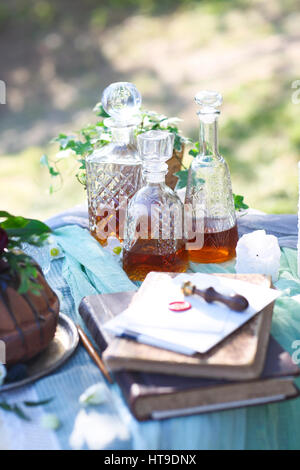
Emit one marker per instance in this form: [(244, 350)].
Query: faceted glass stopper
[(121, 100), (156, 145), (209, 101)]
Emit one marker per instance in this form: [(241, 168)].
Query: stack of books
[(248, 367)]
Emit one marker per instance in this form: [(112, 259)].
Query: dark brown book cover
[(159, 396), (240, 356)]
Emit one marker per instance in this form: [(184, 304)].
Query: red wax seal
[(179, 306)]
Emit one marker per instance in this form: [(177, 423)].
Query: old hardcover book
[(240, 356), (157, 396)]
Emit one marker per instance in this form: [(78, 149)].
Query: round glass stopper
[(156, 145), (209, 101), (121, 100)]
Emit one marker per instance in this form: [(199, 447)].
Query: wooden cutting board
[(241, 356)]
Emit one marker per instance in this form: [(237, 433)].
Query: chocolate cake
[(27, 321)]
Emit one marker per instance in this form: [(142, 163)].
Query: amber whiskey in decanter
[(114, 172), (212, 230), (154, 234)]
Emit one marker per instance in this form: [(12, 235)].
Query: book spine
[(125, 380), (87, 314)]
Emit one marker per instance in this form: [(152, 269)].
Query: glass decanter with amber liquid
[(212, 229), (114, 172), (154, 230)]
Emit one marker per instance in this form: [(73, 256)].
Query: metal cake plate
[(60, 349)]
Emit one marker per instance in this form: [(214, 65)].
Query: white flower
[(94, 395), (173, 121), (62, 154), (258, 252), (55, 251), (97, 106), (2, 373), (105, 136), (113, 246), (50, 421), (97, 430)]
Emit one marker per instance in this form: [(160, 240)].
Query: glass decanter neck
[(155, 180), (208, 135), (120, 133), (155, 172), (209, 102)]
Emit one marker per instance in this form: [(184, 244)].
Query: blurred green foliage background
[(57, 56)]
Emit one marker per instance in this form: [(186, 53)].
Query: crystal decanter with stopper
[(114, 172), (154, 226), (212, 233)]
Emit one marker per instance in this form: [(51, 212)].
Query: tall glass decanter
[(114, 172), (212, 234), (154, 231)]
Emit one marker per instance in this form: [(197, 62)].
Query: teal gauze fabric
[(88, 269)]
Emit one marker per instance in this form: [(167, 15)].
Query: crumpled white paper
[(259, 253)]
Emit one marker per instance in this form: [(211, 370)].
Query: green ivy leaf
[(4, 214), (195, 151), (65, 141), (38, 403), (14, 409), (100, 111), (83, 164), (24, 228), (177, 143), (14, 222), (44, 161), (182, 179), (80, 148), (239, 202), (19, 412), (5, 406), (21, 230)]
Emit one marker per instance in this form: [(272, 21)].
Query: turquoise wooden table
[(86, 269)]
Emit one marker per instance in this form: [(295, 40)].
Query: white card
[(194, 330)]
